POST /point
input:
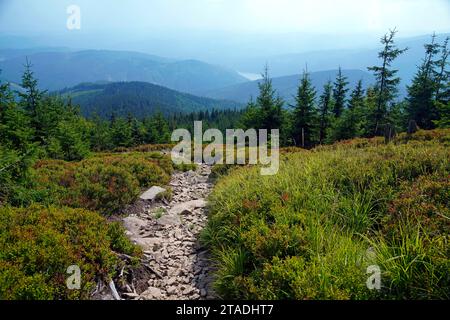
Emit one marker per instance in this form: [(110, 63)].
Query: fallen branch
[(114, 290)]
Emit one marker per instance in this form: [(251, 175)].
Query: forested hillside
[(138, 99)]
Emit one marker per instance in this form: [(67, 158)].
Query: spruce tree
[(421, 106), (305, 122), (442, 75), (339, 94), (325, 104), (31, 97), (386, 81), (15, 132), (269, 103), (349, 125)]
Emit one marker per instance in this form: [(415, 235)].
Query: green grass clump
[(304, 233), (38, 244)]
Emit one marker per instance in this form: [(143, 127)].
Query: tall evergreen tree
[(442, 74), (305, 120), (15, 132), (325, 104), (421, 106), (121, 133), (386, 81), (339, 94), (158, 129), (349, 125), (270, 104), (31, 97)]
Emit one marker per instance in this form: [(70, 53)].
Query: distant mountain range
[(123, 78), (287, 86), (63, 68), (139, 99), (321, 60)]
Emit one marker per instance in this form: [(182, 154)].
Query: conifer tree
[(421, 106), (386, 81), (305, 122), (269, 103), (15, 132), (349, 125), (339, 94), (31, 97), (442, 75), (325, 105)]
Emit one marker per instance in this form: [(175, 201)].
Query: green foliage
[(339, 94), (141, 99), (350, 124), (444, 111), (387, 82), (304, 233), (103, 187), (105, 183), (325, 103), (421, 104), (304, 128), (266, 112), (38, 244)]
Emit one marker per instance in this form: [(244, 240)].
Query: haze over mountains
[(353, 58), (58, 68)]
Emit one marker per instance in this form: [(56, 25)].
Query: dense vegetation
[(311, 231), (56, 193), (38, 244)]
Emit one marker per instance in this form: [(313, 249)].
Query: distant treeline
[(341, 112)]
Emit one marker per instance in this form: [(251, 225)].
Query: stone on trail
[(152, 293), (134, 224), (152, 193), (169, 219), (188, 207)]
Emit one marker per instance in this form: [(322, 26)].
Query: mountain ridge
[(286, 86), (139, 99), (59, 69)]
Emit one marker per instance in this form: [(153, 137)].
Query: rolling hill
[(59, 69), (139, 99), (286, 86)]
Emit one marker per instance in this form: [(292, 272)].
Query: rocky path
[(168, 232)]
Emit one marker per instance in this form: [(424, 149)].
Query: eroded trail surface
[(168, 232)]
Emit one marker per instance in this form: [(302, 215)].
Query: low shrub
[(104, 182), (38, 244), (105, 188)]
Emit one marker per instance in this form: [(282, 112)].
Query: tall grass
[(304, 233)]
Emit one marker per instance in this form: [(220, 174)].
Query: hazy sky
[(411, 17)]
